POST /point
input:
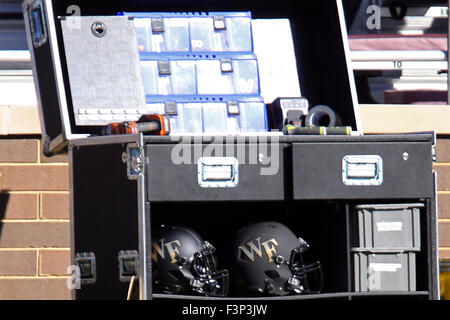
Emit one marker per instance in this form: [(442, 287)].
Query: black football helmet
[(266, 258), (183, 263)]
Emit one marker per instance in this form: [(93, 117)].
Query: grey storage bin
[(384, 271), (387, 226)]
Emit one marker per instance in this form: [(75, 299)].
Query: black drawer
[(362, 170), (188, 172)]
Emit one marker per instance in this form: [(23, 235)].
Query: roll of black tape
[(322, 116)]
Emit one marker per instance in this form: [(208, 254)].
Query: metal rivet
[(98, 29), (124, 157), (405, 156), (279, 259), (136, 164)]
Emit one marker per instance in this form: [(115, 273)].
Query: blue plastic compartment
[(193, 32), (174, 38), (201, 61), (195, 76), (227, 76), (215, 117), (180, 81)]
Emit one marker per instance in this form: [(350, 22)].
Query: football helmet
[(183, 263), (266, 258)]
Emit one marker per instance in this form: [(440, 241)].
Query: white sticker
[(384, 267), (389, 226)]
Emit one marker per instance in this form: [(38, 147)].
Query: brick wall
[(442, 166), (34, 221)]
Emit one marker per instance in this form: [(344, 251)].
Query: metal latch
[(170, 108), (226, 65), (85, 262), (128, 264), (164, 68), (219, 23), (218, 172), (134, 159), (233, 107), (157, 25), (362, 170)]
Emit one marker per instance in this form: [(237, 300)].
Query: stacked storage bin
[(199, 69), (386, 239)]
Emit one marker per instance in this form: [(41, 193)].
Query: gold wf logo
[(256, 246), (159, 248)]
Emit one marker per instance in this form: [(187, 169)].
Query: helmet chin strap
[(291, 286)]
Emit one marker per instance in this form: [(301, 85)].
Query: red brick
[(444, 234), (18, 206), (54, 262), (18, 263), (443, 150), (59, 158), (18, 150), (35, 235), (34, 178), (34, 289), (55, 206), (444, 206), (443, 177)]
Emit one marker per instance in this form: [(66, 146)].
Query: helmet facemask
[(199, 273), (299, 282), (207, 280), (291, 276)]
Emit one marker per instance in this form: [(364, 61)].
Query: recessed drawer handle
[(218, 172), (362, 170)]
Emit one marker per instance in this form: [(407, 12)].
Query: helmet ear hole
[(176, 274), (272, 274)]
